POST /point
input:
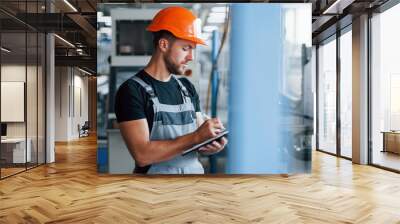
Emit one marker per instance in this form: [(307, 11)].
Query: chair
[(84, 130)]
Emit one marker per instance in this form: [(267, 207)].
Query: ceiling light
[(5, 49), (65, 41), (70, 5), (84, 71)]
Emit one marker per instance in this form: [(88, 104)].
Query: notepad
[(196, 147)]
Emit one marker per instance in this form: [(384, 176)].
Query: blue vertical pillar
[(214, 90), (254, 106), (215, 75)]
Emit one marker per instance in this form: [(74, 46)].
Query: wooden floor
[(71, 191), (10, 171)]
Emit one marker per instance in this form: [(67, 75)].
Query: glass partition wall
[(385, 90), (327, 95), (345, 62), (334, 104), (22, 77), (334, 83), (13, 86)]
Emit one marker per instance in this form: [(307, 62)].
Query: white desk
[(17, 147)]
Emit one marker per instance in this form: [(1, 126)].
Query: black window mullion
[(73, 91), (44, 72), (369, 90), (338, 91), (26, 86), (37, 90), (317, 96)]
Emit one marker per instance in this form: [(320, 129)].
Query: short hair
[(162, 34)]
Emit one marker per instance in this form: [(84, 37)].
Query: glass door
[(385, 89), (327, 96), (13, 103), (346, 92)]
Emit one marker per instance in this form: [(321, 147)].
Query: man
[(159, 114)]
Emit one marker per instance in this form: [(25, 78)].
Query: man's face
[(178, 55)]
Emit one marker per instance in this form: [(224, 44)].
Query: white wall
[(61, 103), (79, 117), (15, 72), (71, 87)]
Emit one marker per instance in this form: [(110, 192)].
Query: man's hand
[(209, 129), (214, 147)]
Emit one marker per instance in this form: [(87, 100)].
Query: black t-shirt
[(133, 103)]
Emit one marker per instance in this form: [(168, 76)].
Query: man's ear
[(163, 44)]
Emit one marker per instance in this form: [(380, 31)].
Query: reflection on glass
[(31, 97), (13, 85), (327, 96), (296, 87), (394, 102), (346, 94), (22, 89), (386, 89)]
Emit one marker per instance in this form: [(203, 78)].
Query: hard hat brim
[(178, 35)]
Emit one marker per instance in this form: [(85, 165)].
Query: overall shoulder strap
[(147, 87), (183, 87)]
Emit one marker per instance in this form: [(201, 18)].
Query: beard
[(172, 67)]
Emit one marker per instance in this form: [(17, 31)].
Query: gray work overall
[(170, 122)]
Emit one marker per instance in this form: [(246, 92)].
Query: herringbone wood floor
[(71, 191)]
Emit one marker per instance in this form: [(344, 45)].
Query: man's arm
[(145, 151)]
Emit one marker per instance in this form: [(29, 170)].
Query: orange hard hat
[(179, 21)]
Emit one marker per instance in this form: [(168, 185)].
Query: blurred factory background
[(125, 47)]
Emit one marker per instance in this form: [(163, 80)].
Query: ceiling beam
[(86, 27)]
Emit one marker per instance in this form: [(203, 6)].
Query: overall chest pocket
[(175, 118)]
